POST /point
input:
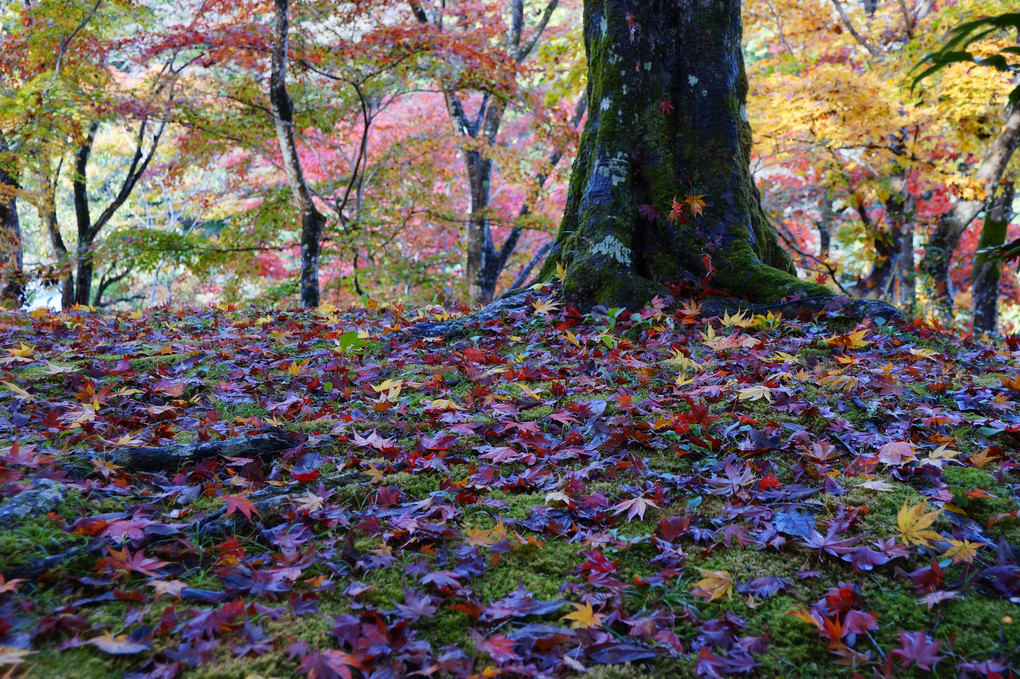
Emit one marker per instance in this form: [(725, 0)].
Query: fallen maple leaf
[(239, 503), (914, 524), (117, 645), (915, 650), (962, 551), (545, 306), (583, 616), (755, 393), (714, 585), (634, 507), (695, 204), (980, 459), (896, 452), (11, 655)]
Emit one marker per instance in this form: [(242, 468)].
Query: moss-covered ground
[(623, 494)]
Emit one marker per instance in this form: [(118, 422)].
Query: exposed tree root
[(515, 300), (269, 442)]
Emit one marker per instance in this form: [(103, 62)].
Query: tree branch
[(522, 52), (853, 31)]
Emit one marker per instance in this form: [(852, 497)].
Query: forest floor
[(650, 494)]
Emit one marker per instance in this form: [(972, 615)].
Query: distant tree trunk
[(908, 277), (312, 221), (987, 270), (84, 258), (824, 226), (485, 261), (946, 237), (78, 288), (666, 122), (12, 269), (887, 243)]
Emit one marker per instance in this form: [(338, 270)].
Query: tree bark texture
[(84, 259), (12, 268), (887, 242), (987, 270), (666, 119), (947, 234), (485, 261), (313, 222)]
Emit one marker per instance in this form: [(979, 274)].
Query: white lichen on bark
[(614, 249)]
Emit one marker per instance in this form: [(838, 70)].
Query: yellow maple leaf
[(480, 537), (388, 386), (914, 524), (23, 351), (443, 404), (695, 204), (545, 306), (12, 655), (296, 369), (756, 393), (375, 474), (851, 340), (714, 585), (788, 358), (583, 616), (962, 552), (737, 320), (19, 391)]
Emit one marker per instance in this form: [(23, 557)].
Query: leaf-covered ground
[(624, 494)]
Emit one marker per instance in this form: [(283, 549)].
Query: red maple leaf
[(916, 650), (241, 504), (648, 212), (666, 106)]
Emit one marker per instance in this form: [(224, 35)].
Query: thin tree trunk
[(987, 270), (84, 258), (312, 221), (484, 262), (12, 267), (48, 216), (824, 226), (946, 236), (908, 276), (482, 259)]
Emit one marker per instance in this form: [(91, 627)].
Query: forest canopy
[(140, 162)]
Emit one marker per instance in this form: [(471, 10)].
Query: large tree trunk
[(666, 93), (12, 273), (312, 221), (987, 270), (946, 237)]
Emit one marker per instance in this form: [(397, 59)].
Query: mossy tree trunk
[(987, 270), (666, 120), (938, 254)]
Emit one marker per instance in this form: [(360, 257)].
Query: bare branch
[(853, 31), (522, 52)]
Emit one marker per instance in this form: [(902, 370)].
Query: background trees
[(434, 141)]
